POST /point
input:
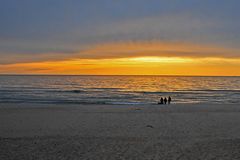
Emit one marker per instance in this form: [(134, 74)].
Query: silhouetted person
[(169, 100), (165, 100), (161, 101)]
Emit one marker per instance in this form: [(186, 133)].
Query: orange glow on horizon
[(131, 66)]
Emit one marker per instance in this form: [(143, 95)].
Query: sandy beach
[(138, 132)]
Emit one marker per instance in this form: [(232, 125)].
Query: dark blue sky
[(31, 28)]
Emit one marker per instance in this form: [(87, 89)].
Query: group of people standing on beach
[(165, 100)]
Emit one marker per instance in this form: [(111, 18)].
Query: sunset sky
[(120, 37)]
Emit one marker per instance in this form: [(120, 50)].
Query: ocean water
[(118, 89)]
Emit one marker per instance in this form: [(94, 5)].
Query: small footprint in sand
[(136, 109), (149, 126)]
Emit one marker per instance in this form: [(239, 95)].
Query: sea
[(122, 90)]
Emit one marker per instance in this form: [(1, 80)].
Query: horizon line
[(161, 75)]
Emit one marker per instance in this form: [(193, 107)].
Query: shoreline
[(28, 104)]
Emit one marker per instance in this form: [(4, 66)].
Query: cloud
[(146, 35), (156, 48), (129, 49), (183, 27)]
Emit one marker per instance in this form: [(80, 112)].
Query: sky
[(159, 37)]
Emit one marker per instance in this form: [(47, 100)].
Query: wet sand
[(97, 132)]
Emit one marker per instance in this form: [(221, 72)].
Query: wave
[(187, 91), (119, 92), (69, 91), (105, 88), (37, 90), (210, 90), (84, 90)]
